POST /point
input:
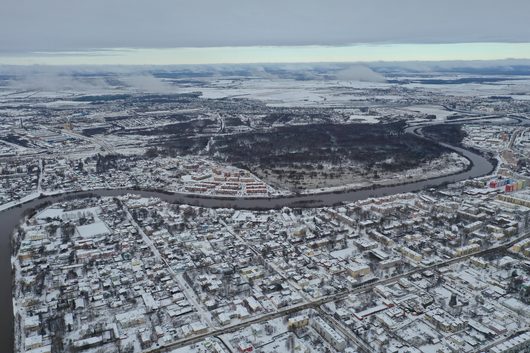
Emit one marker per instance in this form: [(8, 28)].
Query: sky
[(132, 32)]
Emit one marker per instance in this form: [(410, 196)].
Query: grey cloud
[(28, 25)]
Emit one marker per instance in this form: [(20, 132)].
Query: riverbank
[(11, 216)]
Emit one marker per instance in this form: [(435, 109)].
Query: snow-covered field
[(293, 93), (440, 112)]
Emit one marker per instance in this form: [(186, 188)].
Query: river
[(10, 218)]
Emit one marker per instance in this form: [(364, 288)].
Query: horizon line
[(303, 54)]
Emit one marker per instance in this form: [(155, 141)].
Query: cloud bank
[(33, 25)]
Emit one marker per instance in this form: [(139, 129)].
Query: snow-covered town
[(268, 215), (438, 271)]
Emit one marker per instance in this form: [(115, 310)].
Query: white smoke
[(146, 83), (359, 73), (52, 82), (82, 79)]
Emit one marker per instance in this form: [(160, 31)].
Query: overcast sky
[(63, 25)]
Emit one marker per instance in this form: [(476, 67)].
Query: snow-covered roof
[(50, 212), (93, 229)]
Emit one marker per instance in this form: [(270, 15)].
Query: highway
[(105, 146)]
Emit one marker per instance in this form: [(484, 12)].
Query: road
[(177, 277), (346, 332), (507, 156), (107, 147), (480, 167), (269, 264), (41, 175), (316, 303), (221, 121), (10, 215), (501, 339)]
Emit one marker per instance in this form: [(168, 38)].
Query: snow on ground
[(475, 89), (447, 164), (60, 103), (208, 345), (370, 119), (521, 97), (440, 112), (50, 212), (287, 93)]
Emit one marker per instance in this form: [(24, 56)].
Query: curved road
[(10, 218)]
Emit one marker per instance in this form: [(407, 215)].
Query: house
[(245, 347), (298, 322)]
